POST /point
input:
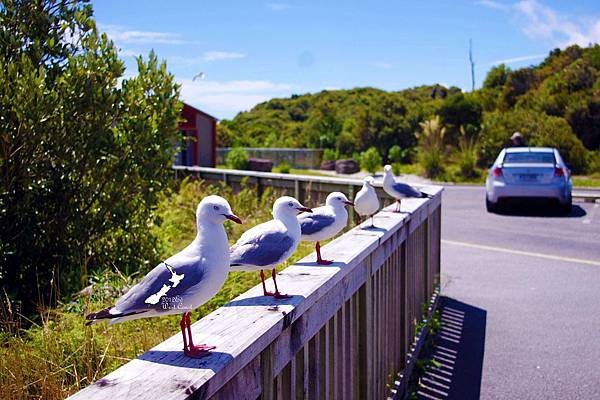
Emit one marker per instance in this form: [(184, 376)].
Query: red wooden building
[(201, 150)]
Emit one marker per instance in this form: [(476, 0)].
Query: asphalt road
[(537, 277)]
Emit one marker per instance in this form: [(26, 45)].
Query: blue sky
[(251, 51)]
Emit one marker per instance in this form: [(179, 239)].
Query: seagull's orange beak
[(234, 218), (304, 209), (349, 203)]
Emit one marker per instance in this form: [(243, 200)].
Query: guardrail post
[(297, 191)]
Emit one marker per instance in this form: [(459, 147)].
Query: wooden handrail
[(345, 329)]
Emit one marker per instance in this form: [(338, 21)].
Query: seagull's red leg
[(182, 324), (194, 350), (278, 295), (319, 259), (397, 206), (262, 278)]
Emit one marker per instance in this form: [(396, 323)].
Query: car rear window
[(529, 157)]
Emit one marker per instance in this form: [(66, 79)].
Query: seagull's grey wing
[(406, 190), (313, 223), (261, 250), (165, 280)]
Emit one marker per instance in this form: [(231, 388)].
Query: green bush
[(85, 153), (330, 155), (467, 154), (396, 168), (395, 155), (284, 168), (370, 160), (237, 158)]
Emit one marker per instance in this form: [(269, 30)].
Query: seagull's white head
[(215, 209), (387, 169), (368, 181), (287, 205), (338, 199)]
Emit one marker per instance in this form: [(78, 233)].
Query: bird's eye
[(216, 208), (291, 204)]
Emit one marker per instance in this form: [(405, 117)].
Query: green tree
[(496, 77), (460, 109), (370, 160), (82, 158)]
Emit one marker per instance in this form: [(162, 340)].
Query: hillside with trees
[(556, 103)]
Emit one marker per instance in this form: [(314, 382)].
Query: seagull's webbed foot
[(198, 350), (324, 262), (278, 295)]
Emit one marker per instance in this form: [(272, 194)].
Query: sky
[(252, 51)]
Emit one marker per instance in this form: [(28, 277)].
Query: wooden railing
[(345, 332)]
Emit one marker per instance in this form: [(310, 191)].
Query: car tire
[(490, 206), (567, 207)]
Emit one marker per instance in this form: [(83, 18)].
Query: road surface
[(537, 277)]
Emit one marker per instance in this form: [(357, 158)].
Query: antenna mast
[(472, 65)]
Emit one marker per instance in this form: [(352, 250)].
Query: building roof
[(200, 111)]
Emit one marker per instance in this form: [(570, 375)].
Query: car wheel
[(566, 208), (490, 206)]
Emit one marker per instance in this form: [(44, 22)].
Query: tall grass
[(431, 147), (60, 355)]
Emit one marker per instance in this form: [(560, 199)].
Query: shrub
[(330, 155), (370, 160), (396, 168), (237, 158), (85, 152), (431, 147), (395, 154), (467, 154), (284, 168)]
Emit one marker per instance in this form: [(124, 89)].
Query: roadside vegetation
[(555, 103), (53, 354)]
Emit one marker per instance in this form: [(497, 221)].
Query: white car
[(529, 173)]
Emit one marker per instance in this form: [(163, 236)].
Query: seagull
[(366, 201), (198, 77), (184, 281), (325, 222), (270, 243), (398, 190)]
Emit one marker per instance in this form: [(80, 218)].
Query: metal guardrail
[(344, 333)]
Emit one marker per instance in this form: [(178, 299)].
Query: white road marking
[(522, 253)]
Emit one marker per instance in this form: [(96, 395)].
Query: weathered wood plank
[(276, 333)]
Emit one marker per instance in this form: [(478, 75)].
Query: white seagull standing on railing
[(270, 243), (325, 222), (184, 281), (398, 190), (366, 202)]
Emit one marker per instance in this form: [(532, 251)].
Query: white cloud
[(383, 65), (224, 99), (222, 55), (493, 4), (121, 34), (278, 6), (541, 22), (518, 59)]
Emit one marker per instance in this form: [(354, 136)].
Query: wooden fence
[(295, 158), (344, 334)]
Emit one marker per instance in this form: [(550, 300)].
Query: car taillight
[(497, 171), (558, 171)]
